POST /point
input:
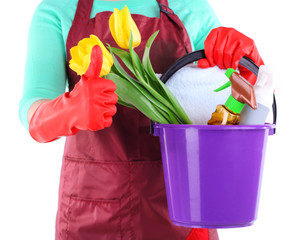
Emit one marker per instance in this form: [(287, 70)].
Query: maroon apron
[(112, 184)]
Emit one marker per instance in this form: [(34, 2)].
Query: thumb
[(203, 63), (95, 66)]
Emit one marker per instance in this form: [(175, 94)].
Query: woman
[(112, 183)]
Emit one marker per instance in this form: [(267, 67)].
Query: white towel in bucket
[(194, 88)]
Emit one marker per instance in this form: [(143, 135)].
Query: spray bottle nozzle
[(242, 92)]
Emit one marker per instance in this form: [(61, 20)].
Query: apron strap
[(83, 10), (164, 2), (165, 11)]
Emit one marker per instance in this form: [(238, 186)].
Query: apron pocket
[(93, 219)]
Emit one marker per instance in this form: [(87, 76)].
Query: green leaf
[(149, 86), (174, 102), (177, 109), (137, 65), (117, 68), (140, 74), (120, 101), (149, 69), (146, 53), (135, 98), (142, 90), (146, 94), (172, 118), (125, 57), (157, 84)]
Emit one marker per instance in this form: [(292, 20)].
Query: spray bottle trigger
[(228, 73), (226, 85)]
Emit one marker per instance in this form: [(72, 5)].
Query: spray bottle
[(242, 93)]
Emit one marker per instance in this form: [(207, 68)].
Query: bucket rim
[(268, 126)]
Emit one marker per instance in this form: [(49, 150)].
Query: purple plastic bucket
[(213, 173)]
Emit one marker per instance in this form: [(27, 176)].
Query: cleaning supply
[(206, 188), (264, 88), (194, 87), (242, 93)]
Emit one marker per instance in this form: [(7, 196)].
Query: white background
[(29, 172)]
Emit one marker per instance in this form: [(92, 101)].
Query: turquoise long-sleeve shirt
[(45, 71)]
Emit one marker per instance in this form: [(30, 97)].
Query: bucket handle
[(200, 54)]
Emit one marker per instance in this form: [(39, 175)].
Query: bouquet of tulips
[(145, 91)]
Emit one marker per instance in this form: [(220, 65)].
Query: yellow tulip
[(81, 56), (121, 24)]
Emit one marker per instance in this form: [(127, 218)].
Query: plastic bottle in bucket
[(264, 89), (242, 93)]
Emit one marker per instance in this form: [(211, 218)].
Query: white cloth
[(194, 88)]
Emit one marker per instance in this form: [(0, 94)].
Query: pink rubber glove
[(224, 47), (89, 106)]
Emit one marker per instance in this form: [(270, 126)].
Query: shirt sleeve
[(198, 18), (45, 70)]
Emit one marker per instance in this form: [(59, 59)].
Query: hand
[(225, 47), (89, 106), (92, 103)]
